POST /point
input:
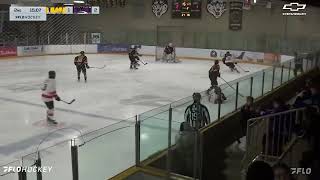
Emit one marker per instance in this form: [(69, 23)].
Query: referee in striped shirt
[(196, 115)]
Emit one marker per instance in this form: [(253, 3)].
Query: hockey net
[(166, 35)]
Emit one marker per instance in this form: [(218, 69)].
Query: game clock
[(186, 9)]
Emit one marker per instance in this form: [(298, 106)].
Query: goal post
[(166, 35)]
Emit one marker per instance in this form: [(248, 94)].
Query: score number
[(186, 9)]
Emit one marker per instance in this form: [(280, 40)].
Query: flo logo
[(294, 9), (303, 171)]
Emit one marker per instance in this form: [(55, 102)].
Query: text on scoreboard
[(24, 13)]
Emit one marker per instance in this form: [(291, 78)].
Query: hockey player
[(169, 53), (214, 73), (197, 115), (219, 95), (49, 94), (134, 57), (228, 57), (81, 63)]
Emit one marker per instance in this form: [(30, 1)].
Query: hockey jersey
[(169, 50), (214, 71), (49, 90), (81, 61)]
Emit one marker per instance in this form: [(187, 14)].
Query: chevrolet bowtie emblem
[(294, 7)]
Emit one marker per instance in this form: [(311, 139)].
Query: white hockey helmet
[(170, 44), (133, 46)]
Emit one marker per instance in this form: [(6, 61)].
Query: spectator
[(282, 172), (197, 115), (298, 64), (315, 96), (247, 112), (185, 149), (259, 170), (278, 106)]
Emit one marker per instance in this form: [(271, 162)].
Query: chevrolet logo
[(294, 7)]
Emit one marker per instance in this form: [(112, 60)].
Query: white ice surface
[(112, 94)]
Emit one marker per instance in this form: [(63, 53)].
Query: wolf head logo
[(159, 7), (216, 7)]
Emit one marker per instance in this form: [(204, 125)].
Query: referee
[(196, 115)]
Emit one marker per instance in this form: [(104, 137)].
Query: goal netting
[(166, 35)]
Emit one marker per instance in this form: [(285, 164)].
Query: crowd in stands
[(308, 97)]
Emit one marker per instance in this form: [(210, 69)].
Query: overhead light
[(69, 4), (79, 2)]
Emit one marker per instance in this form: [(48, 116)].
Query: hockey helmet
[(52, 74), (196, 97), (82, 52), (170, 44), (133, 47), (216, 62)]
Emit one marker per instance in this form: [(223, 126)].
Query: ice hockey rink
[(111, 95)]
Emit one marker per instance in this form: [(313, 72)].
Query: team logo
[(216, 7), (159, 7), (213, 53)]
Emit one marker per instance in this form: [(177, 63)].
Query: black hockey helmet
[(52, 74), (216, 62), (196, 97), (82, 52)]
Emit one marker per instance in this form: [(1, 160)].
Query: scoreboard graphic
[(186, 9), (24, 13)]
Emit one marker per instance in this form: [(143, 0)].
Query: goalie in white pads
[(169, 54), (49, 93)]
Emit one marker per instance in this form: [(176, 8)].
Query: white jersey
[(49, 90)]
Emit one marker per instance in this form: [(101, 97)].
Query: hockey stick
[(242, 68), (99, 67), (231, 86), (144, 63), (73, 100)]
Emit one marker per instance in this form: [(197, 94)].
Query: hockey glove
[(58, 98), (88, 67)]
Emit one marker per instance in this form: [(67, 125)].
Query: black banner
[(235, 15)]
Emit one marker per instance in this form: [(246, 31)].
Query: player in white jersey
[(49, 93)]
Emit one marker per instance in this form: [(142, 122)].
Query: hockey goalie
[(169, 54)]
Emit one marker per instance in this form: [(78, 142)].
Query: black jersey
[(168, 50), (197, 115), (214, 71), (133, 53)]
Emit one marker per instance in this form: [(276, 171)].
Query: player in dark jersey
[(81, 63), (196, 115), (134, 57), (214, 73), (227, 61), (169, 53)]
